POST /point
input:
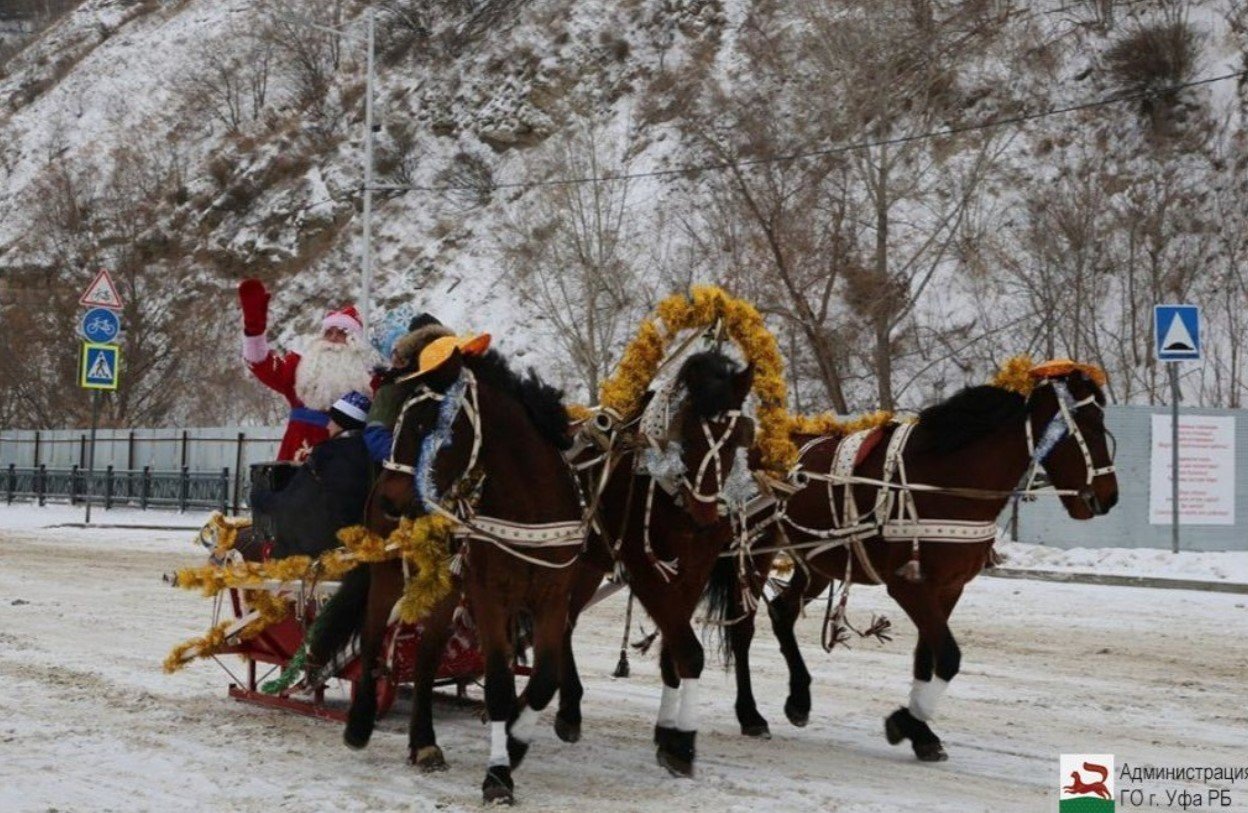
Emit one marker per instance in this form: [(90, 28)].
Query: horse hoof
[(678, 752), (663, 735), (356, 740), (566, 730), (498, 789), (797, 716), (759, 731), (429, 759), (930, 752), (516, 751), (892, 728)]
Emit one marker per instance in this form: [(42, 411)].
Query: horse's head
[(428, 424), (710, 429), (1069, 438)]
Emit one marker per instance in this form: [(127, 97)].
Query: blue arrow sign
[(1177, 332), (99, 326), (100, 366)]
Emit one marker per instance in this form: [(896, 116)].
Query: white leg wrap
[(687, 720), (498, 744), (925, 696), (668, 706), (525, 726)]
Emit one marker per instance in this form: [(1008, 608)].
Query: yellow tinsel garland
[(1021, 373), (271, 608), (423, 542), (210, 643), (1015, 375), (425, 546), (624, 391), (830, 424)]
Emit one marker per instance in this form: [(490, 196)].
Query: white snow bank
[(1231, 566)]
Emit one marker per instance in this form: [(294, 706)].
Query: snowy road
[(88, 722)]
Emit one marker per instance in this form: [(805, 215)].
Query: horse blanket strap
[(539, 535), (900, 513), (656, 417), (903, 530), (510, 537), (847, 523), (847, 453)]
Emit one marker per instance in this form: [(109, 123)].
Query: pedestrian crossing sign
[(100, 366), (1177, 330)]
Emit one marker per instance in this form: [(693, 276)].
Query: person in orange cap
[(425, 347)]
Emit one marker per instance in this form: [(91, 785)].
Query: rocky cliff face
[(889, 180)]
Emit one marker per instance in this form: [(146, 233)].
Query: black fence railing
[(142, 488)]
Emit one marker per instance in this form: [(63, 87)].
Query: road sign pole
[(1173, 368), (95, 421)]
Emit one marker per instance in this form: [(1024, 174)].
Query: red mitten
[(255, 302)]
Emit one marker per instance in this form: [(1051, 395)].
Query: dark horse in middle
[(504, 452)]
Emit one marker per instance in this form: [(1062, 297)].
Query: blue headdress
[(390, 329)]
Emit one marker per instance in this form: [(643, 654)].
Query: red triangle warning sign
[(102, 292)]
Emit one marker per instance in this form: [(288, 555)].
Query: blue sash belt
[(312, 416)]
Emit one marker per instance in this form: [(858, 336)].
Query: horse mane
[(965, 417), (542, 402), (708, 378)]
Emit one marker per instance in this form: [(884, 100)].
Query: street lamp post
[(367, 259)]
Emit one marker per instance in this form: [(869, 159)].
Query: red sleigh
[(275, 647), (267, 654)]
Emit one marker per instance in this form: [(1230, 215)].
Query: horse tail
[(1094, 768), (719, 595)]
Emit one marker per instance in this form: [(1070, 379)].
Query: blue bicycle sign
[(100, 325)]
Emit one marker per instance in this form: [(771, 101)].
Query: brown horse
[(476, 432), (971, 452), (668, 543)]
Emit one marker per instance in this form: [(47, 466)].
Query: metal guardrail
[(144, 487)]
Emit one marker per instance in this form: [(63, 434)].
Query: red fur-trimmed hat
[(347, 318)]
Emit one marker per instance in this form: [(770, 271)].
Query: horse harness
[(521, 540), (894, 516), (657, 460)]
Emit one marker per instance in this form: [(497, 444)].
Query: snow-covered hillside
[(189, 144)]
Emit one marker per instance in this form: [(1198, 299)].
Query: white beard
[(328, 371)]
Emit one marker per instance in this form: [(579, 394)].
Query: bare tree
[(227, 78), (574, 254), (843, 239), (311, 56)]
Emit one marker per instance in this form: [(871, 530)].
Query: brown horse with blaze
[(925, 499), (499, 447)]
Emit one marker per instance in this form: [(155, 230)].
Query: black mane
[(541, 401), (964, 417), (708, 378)]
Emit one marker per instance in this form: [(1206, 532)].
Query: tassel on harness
[(911, 571)]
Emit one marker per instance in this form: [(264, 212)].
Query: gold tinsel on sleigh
[(423, 542)]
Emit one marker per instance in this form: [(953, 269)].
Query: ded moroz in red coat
[(311, 381)]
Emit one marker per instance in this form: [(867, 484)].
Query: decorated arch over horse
[(701, 308)]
